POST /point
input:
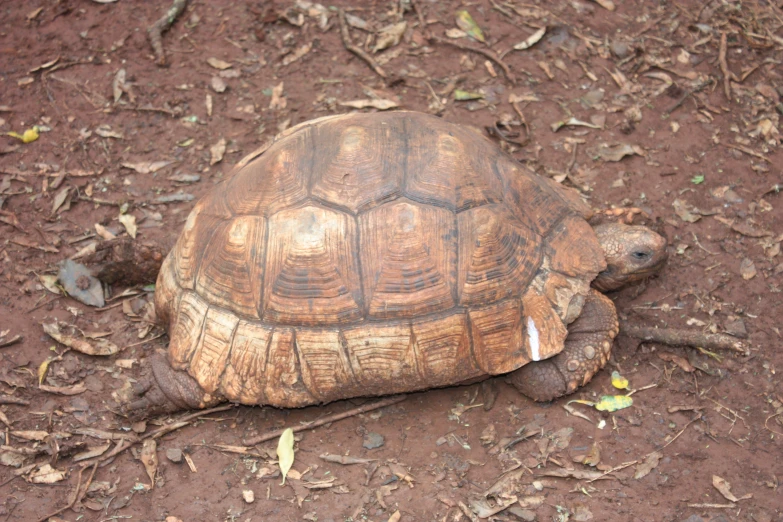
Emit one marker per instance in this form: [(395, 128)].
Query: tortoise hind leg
[(587, 349), (165, 390)]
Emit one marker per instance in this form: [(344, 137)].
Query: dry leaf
[(104, 131), (682, 211), (129, 222), (401, 473), (33, 435), (723, 486), (46, 474), (294, 56), (118, 85), (390, 36), (606, 4), (374, 103), (395, 516), (101, 346), (531, 40), (285, 452), (218, 64), (682, 362), (618, 152), (59, 199), (147, 167), (217, 151), (278, 101), (747, 269), (650, 462), (91, 453), (149, 457), (104, 232), (572, 121)]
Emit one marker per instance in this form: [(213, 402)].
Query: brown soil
[(724, 274)]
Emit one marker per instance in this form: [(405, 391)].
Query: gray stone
[(174, 455), (373, 440)]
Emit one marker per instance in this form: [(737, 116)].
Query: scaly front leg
[(587, 349), (165, 390)]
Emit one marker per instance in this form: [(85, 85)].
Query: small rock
[(694, 518), (217, 84), (248, 495), (174, 455), (373, 440), (736, 327), (620, 49)]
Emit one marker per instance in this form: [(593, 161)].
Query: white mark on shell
[(532, 333)]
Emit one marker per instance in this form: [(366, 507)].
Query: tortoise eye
[(641, 256)]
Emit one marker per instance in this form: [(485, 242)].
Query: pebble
[(248, 495), (620, 49), (174, 455), (373, 440)]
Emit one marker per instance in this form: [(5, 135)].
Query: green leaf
[(285, 452), (613, 403), (469, 25), (618, 381), (697, 180), (461, 95)]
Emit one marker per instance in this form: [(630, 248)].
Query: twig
[(685, 337), (326, 420), (7, 399), (42, 304), (724, 65), (687, 95), (522, 119), (156, 30), (482, 52), (746, 150), (123, 444), (348, 43), (770, 429)]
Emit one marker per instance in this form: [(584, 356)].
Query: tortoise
[(374, 254)]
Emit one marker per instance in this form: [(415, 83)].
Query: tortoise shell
[(370, 254)]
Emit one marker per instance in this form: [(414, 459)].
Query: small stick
[(724, 65), (7, 399), (687, 95), (155, 31), (685, 337), (482, 52), (346, 36), (326, 420), (122, 445)]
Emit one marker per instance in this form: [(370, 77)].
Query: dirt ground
[(677, 108)]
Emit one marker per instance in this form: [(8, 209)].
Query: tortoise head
[(632, 253)]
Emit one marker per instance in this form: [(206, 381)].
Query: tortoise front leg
[(587, 348), (165, 390)]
